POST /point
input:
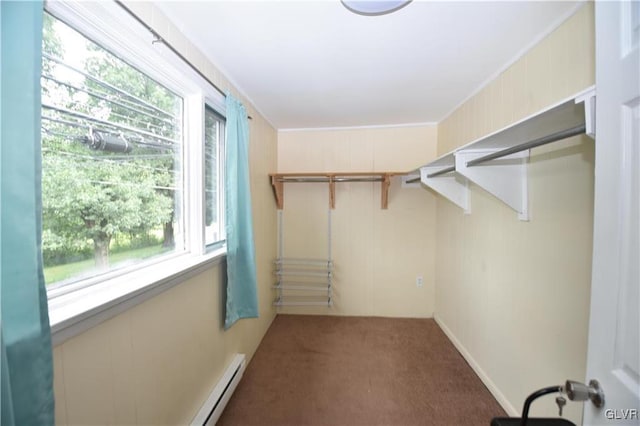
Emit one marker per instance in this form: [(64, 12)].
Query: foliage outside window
[(112, 181)]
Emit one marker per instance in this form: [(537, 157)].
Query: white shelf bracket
[(505, 178), (452, 186), (589, 100)]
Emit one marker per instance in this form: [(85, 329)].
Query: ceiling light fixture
[(374, 7)]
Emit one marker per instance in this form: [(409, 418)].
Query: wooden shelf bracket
[(278, 191)]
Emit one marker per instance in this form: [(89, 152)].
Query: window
[(214, 155), (119, 124)]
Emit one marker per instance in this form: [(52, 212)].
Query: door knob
[(577, 391)]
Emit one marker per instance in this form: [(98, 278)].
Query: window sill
[(73, 313)]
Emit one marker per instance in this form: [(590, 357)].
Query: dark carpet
[(328, 370)]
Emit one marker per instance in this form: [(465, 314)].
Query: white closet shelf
[(303, 301), (297, 275), (498, 162), (301, 287), (317, 263), (303, 273)]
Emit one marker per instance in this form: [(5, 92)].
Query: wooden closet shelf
[(279, 179)]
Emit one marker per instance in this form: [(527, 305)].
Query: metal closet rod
[(159, 39), (434, 174), (442, 172), (563, 134)]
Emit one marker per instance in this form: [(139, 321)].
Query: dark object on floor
[(525, 420), (358, 371), (516, 421)]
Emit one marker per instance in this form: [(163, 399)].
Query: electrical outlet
[(419, 281)]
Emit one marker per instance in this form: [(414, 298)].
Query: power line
[(104, 98), (61, 135), (139, 140), (109, 160), (105, 182), (83, 116), (140, 156), (123, 119), (105, 84), (136, 121)]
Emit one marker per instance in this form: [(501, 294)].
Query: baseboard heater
[(214, 405)]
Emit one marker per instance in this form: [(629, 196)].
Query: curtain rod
[(158, 39)]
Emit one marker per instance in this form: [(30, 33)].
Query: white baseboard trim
[(216, 402), (499, 396)]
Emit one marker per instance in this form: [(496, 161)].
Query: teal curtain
[(25, 337), (242, 299)]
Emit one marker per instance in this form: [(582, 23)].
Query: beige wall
[(377, 253), (157, 362), (515, 295)]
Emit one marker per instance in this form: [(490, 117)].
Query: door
[(614, 330)]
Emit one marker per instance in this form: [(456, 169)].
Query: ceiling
[(314, 64)]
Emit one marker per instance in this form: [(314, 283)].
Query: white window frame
[(221, 183), (75, 307)]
